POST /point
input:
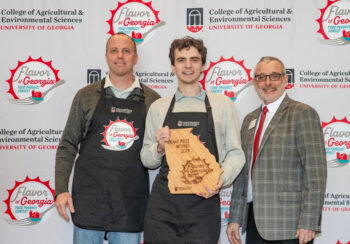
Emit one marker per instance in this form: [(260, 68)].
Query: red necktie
[(258, 134)]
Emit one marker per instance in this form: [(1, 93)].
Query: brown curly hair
[(187, 42)]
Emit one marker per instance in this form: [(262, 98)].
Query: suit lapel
[(274, 121)]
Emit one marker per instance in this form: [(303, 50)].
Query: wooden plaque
[(191, 165)]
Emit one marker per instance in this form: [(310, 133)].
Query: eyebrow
[(196, 58), (117, 48)]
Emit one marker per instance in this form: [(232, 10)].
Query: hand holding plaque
[(191, 165)]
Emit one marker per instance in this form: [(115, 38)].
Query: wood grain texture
[(191, 165)]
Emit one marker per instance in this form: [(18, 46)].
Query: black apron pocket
[(91, 210)]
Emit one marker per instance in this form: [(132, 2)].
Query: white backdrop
[(49, 50)]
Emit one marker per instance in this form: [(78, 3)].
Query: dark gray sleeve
[(150, 96), (69, 144)]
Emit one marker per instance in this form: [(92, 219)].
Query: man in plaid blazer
[(279, 199)]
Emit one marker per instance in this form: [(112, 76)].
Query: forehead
[(187, 53), (120, 41), (268, 68)]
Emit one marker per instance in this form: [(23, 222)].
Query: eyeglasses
[(272, 77)]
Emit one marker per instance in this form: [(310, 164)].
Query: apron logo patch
[(121, 110), (119, 135), (181, 123)]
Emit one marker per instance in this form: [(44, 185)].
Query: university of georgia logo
[(291, 82), (337, 142), (29, 201), (32, 80), (335, 22), (134, 18), (194, 19), (227, 76), (119, 135)]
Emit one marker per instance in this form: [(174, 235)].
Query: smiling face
[(269, 91), (188, 65), (120, 55)]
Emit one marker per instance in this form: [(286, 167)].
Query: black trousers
[(253, 236)]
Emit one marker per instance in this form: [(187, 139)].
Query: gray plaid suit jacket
[(290, 172)]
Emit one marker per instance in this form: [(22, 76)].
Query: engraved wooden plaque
[(191, 165)]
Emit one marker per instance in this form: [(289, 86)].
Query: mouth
[(119, 63), (188, 72), (269, 89)]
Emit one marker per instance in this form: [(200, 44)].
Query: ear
[(136, 58), (106, 57), (202, 69), (255, 84), (285, 79), (173, 68)]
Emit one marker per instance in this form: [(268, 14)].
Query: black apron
[(183, 218), (110, 185)]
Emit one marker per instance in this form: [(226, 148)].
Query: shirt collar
[(200, 96), (272, 107), (135, 84)]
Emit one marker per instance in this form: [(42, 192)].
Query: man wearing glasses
[(279, 194)]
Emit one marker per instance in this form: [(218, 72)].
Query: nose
[(268, 81), (188, 64), (120, 54)]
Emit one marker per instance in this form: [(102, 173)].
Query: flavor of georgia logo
[(134, 18), (337, 142), (32, 80), (119, 135), (226, 76), (335, 22), (29, 201), (225, 202)]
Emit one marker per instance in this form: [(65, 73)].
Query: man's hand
[(232, 232), (162, 136), (305, 236), (210, 192), (62, 201)]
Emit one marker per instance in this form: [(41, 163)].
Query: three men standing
[(285, 174)]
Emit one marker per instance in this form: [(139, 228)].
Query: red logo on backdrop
[(29, 201), (227, 76), (337, 142), (134, 18), (338, 242), (32, 80), (334, 22)]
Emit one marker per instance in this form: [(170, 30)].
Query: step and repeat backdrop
[(51, 49)]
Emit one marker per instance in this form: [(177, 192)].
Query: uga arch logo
[(135, 18)]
